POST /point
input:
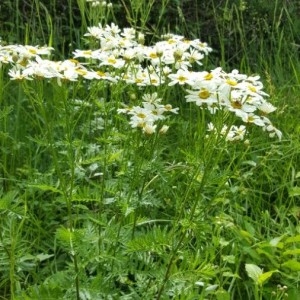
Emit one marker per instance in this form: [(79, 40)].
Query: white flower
[(194, 56), (111, 60), (16, 74), (164, 129), (251, 118), (95, 31), (151, 98), (202, 96), (266, 108), (203, 47), (181, 77), (149, 128)]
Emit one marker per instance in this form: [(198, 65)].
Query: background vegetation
[(91, 209)]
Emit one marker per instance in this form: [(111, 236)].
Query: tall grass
[(92, 208)]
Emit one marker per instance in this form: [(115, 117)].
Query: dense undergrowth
[(149, 149)]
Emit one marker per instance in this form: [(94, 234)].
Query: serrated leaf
[(253, 272), (265, 276), (64, 235), (44, 187), (98, 222), (7, 199), (294, 191), (115, 156), (229, 259), (292, 264)]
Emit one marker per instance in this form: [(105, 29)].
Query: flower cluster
[(20, 55), (129, 59), (121, 55), (146, 115), (233, 133), (237, 93), (101, 3), (27, 63)]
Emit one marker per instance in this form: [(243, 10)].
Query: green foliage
[(92, 209)]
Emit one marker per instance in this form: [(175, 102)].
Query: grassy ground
[(118, 177)]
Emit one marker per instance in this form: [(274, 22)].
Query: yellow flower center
[(182, 78), (171, 41), (168, 107), (153, 55), (87, 52), (231, 82), (74, 61), (111, 60), (23, 62), (250, 119), (204, 94), (100, 73), (81, 71), (252, 88), (236, 104), (32, 51), (141, 115), (208, 76)]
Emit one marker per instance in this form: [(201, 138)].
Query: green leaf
[(265, 276), (254, 272), (64, 235), (292, 239), (294, 191), (292, 264), (42, 256), (291, 252), (44, 187), (7, 199), (229, 259), (276, 242), (222, 295)]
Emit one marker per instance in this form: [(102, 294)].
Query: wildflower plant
[(104, 125)]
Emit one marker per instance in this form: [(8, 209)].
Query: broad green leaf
[(292, 264), (291, 252), (246, 235), (276, 242), (265, 276), (292, 239), (254, 272)]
